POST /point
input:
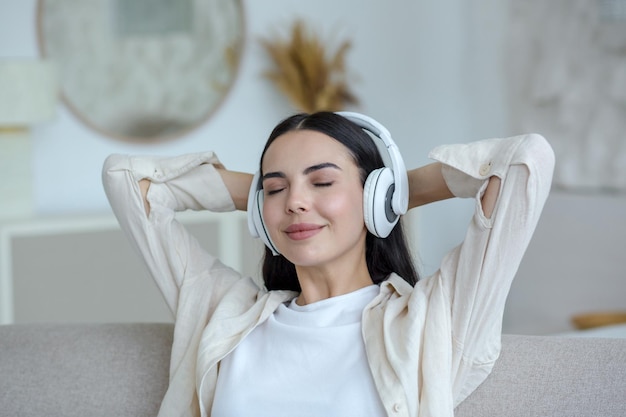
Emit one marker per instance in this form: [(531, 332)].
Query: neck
[(320, 283)]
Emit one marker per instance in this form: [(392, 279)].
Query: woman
[(342, 328)]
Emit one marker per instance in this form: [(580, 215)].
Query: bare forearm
[(426, 185), (238, 184)]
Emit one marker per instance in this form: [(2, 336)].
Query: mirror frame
[(87, 121)]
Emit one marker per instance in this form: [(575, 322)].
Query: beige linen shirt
[(428, 346)]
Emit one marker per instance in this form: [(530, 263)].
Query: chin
[(304, 258)]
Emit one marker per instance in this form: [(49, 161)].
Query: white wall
[(411, 76), (430, 71), (67, 156)]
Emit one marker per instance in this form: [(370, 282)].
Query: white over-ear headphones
[(385, 193)]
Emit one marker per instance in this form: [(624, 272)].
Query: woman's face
[(313, 194)]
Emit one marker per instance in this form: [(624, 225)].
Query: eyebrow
[(307, 171)]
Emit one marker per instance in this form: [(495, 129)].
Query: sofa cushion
[(553, 376), (83, 369)]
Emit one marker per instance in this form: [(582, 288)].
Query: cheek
[(269, 212), (345, 205)]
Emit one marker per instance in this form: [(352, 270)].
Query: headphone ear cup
[(377, 211), (256, 226), (259, 224), (257, 220), (252, 203)]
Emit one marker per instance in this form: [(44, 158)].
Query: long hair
[(383, 255)]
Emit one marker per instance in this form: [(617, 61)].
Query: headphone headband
[(400, 199)]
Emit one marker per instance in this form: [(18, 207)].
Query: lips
[(301, 231)]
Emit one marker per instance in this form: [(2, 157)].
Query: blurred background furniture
[(28, 97), (598, 319), (66, 269)]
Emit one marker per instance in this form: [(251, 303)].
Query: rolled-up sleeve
[(477, 274), (187, 182)]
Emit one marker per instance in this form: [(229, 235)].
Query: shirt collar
[(395, 283)]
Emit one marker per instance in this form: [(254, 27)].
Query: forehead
[(304, 147)]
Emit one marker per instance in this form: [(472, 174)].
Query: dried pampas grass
[(309, 78)]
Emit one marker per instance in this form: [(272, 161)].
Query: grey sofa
[(118, 370)]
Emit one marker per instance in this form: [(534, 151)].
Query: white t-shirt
[(304, 360)]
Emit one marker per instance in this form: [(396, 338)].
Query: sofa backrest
[(96, 370), (122, 370)]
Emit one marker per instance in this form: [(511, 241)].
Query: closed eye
[(272, 192), (323, 184)]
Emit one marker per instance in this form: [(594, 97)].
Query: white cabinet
[(84, 269)]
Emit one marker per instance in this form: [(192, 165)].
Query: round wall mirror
[(142, 70)]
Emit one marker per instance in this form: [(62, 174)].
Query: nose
[(297, 200)]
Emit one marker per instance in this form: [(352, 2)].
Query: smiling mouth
[(302, 231)]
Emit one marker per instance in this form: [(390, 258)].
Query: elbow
[(539, 150), (114, 162), (112, 166), (540, 159)]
